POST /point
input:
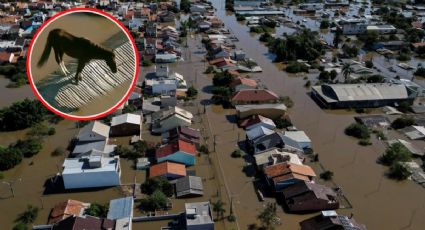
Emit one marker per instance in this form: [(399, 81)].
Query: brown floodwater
[(374, 197), (16, 93), (93, 27)]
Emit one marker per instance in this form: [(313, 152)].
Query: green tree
[(20, 226), (185, 6), (396, 153), (22, 114), (357, 130), (420, 71), (157, 184), (98, 210), (369, 38), (29, 215), (324, 24), (402, 122), (29, 147), (218, 208), (399, 171), (326, 175), (347, 69), (268, 216), (192, 92), (156, 201), (9, 158)]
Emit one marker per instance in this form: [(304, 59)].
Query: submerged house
[(170, 118), (310, 197), (96, 170), (254, 96), (331, 220), (126, 125), (285, 174), (179, 150), (168, 170), (361, 95)]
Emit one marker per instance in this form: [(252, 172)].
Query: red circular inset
[(106, 112)]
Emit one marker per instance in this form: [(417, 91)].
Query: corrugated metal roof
[(120, 208), (126, 118)]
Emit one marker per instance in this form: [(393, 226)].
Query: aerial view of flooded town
[(256, 114)]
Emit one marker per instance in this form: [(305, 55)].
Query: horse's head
[(110, 61)]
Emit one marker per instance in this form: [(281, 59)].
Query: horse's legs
[(80, 67), (63, 63)]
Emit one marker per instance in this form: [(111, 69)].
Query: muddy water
[(15, 93), (373, 196), (93, 27)]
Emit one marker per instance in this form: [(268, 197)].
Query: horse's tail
[(46, 52)]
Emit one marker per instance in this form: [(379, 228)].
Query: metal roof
[(189, 185), (198, 213), (126, 118), (361, 92), (121, 208)]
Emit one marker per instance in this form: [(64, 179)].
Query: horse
[(79, 48)]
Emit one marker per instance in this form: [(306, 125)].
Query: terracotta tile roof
[(174, 146), (254, 119), (254, 95), (164, 168), (418, 44), (417, 24), (83, 223), (282, 169), (4, 56), (65, 209), (243, 81)]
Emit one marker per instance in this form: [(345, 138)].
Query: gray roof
[(95, 127), (189, 185), (198, 213), (257, 132), (320, 191), (361, 92), (268, 141), (121, 208), (84, 147)]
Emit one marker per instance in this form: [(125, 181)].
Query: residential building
[(178, 150), (199, 216), (169, 170), (189, 186), (310, 197), (330, 220), (241, 83), (382, 29), (162, 86), (165, 58), (272, 111), (184, 133), (126, 125), (275, 156), (353, 26), (96, 170), (84, 223), (361, 95), (66, 209), (265, 142), (257, 132), (94, 131), (296, 140), (121, 210), (254, 96), (255, 121), (170, 118), (285, 174)]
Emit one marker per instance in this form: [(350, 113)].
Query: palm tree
[(347, 69), (268, 216), (29, 215), (218, 208)]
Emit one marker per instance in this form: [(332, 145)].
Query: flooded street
[(374, 197), (10, 95)]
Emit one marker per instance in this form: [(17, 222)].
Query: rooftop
[(85, 164), (254, 95), (198, 213), (126, 118), (175, 146), (121, 208), (189, 185), (166, 167)]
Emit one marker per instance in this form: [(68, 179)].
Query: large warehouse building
[(361, 95)]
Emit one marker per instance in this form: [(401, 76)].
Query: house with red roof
[(169, 170), (254, 96), (285, 174), (67, 208), (179, 151), (241, 83)]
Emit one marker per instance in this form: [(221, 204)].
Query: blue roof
[(120, 208)]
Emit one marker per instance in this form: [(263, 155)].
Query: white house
[(353, 26), (162, 87), (161, 71), (296, 139), (199, 216), (96, 170), (171, 118), (94, 131), (382, 29)]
